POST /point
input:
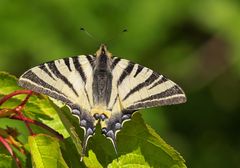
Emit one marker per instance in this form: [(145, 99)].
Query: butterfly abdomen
[(102, 80)]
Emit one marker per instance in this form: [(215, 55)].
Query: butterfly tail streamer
[(115, 147), (111, 136), (87, 135)]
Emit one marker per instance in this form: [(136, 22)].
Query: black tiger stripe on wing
[(115, 62), (29, 75), (151, 78), (44, 68), (52, 66), (150, 87), (153, 103), (78, 67), (167, 93), (160, 81), (139, 69), (125, 73), (135, 89), (145, 83), (115, 100), (67, 63), (90, 60)]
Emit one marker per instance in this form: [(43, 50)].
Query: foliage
[(143, 148), (45, 152), (194, 43)]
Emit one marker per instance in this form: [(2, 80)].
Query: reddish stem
[(21, 117), (22, 104), (17, 92), (28, 120), (8, 147), (19, 112), (26, 123)]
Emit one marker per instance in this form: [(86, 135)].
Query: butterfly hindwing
[(135, 87)]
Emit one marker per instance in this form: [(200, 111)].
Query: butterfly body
[(102, 88), (102, 80)]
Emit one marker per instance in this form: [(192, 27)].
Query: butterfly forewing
[(140, 87), (66, 79)]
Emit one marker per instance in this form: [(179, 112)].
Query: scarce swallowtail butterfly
[(102, 88)]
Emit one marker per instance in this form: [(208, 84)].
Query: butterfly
[(102, 88)]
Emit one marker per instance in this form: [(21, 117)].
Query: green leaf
[(130, 160), (45, 151), (38, 107), (91, 161), (5, 161), (72, 125), (7, 83), (19, 125), (137, 136), (76, 133), (138, 145), (70, 153), (56, 122)]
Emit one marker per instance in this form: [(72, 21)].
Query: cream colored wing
[(140, 87), (68, 80)]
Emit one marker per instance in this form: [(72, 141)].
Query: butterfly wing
[(136, 87), (140, 87), (68, 80)]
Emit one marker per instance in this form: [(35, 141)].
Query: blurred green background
[(194, 43)]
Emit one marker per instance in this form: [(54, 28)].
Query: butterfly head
[(103, 51)]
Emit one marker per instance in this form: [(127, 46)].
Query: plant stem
[(20, 116), (8, 147), (28, 120), (17, 92), (19, 108)]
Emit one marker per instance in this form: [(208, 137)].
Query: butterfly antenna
[(116, 36), (88, 34)]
